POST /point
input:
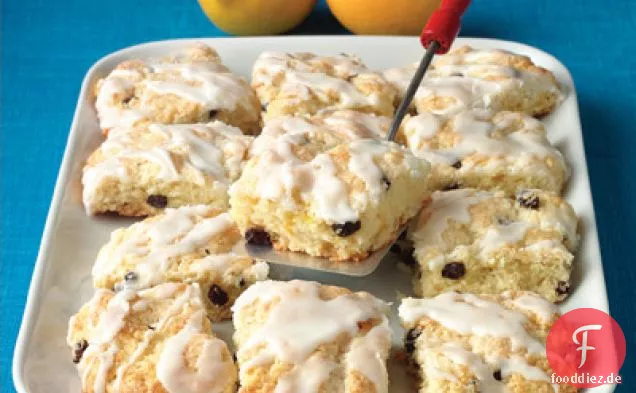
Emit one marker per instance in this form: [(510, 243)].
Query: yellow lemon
[(256, 17), (400, 17)]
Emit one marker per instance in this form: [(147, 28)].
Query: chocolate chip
[(563, 288), (264, 107), (528, 200), (217, 296), (451, 186), (258, 237), (151, 327), (131, 276), (158, 201), (457, 164), (497, 375), (126, 100), (396, 249), (78, 350), (212, 114), (409, 340), (387, 182), (242, 282), (346, 229), (350, 77), (454, 270), (207, 251)]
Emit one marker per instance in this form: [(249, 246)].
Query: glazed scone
[(482, 242), (139, 171), (188, 244), (327, 129), (306, 83), (464, 343), (300, 336), (192, 86), (156, 340), (488, 150), (340, 201), (468, 78)]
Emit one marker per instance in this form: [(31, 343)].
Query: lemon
[(256, 17), (399, 17)]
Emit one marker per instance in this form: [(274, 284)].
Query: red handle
[(443, 25)]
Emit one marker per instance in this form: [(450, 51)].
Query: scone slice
[(324, 131), (339, 202), (155, 340), (468, 78), (301, 336), (141, 170), (192, 244), (306, 83), (465, 343), (192, 86), (489, 150), (482, 242)]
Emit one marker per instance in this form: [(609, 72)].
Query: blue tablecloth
[(47, 46)]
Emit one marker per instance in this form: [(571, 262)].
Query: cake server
[(437, 37)]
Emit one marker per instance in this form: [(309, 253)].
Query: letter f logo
[(583, 344)]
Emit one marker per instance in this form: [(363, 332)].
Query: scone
[(299, 337), (156, 340), (142, 170), (464, 343), (488, 150), (327, 129), (482, 242), (337, 201), (192, 86), (188, 244), (468, 78), (306, 83)]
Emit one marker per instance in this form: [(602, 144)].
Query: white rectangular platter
[(61, 279)]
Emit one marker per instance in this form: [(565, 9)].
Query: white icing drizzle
[(469, 314), (151, 245), (534, 304), (367, 355), (207, 83), (282, 176), (500, 236), (480, 134), (300, 76), (214, 151), (213, 374), (472, 80), (299, 321), (306, 377), (112, 320)]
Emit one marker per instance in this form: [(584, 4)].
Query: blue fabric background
[(47, 46)]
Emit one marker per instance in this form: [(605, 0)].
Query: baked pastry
[(306, 83), (190, 87), (301, 336), (488, 150), (307, 192), (465, 343), (142, 170), (468, 78), (482, 242), (327, 129), (188, 244), (156, 340)]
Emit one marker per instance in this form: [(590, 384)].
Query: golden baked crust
[(482, 242), (505, 151), (306, 84), (468, 78), (139, 171), (192, 86), (301, 336), (465, 343), (191, 244), (156, 340)]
